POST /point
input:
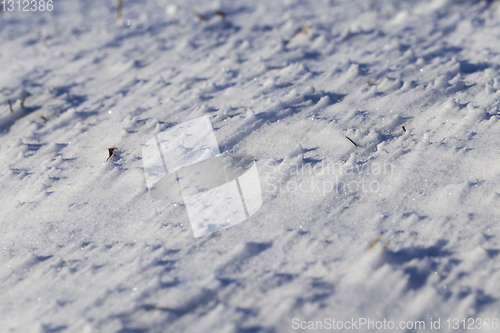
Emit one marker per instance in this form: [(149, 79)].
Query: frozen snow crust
[(85, 248)]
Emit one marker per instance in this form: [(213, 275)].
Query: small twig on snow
[(118, 10), (373, 243), (354, 143), (221, 14), (304, 30), (198, 15), (111, 152), (24, 99)]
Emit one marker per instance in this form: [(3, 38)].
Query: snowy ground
[(85, 248)]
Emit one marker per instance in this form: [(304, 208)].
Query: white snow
[(84, 246)]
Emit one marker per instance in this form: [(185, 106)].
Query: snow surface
[(85, 248)]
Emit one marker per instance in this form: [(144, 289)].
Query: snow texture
[(84, 247)]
